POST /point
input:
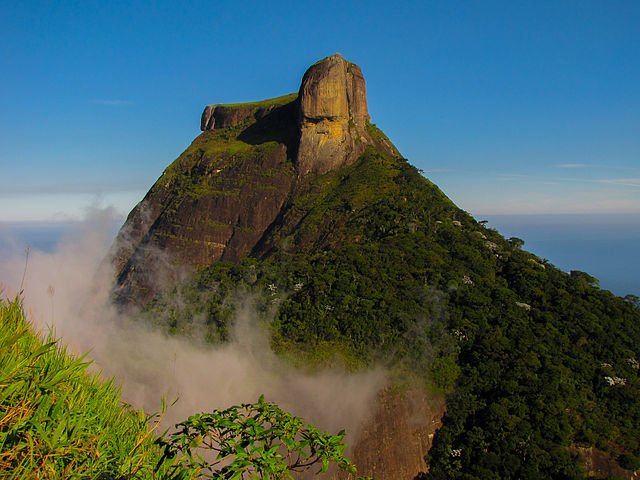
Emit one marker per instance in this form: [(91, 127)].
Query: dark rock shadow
[(275, 124)]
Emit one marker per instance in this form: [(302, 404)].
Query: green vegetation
[(253, 441), (367, 264), (536, 381), (348, 272), (281, 100), (57, 421), (373, 263), (251, 156), (209, 154)]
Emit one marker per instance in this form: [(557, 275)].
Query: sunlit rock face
[(333, 116)]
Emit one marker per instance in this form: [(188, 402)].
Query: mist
[(68, 289)]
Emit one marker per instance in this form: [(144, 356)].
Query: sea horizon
[(603, 245)]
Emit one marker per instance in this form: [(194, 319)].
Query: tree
[(584, 279), (633, 300), (251, 441), (516, 242)]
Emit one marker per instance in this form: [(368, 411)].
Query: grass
[(282, 100), (381, 140), (58, 421), (222, 150)]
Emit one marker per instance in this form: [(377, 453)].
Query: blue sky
[(510, 107)]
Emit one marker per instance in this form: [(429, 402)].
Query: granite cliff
[(333, 116), (217, 200), (235, 193)]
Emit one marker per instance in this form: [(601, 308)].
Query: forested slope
[(374, 263), (354, 257)]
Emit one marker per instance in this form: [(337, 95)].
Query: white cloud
[(571, 165), (69, 289), (627, 182)]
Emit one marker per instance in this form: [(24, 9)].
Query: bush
[(253, 441)]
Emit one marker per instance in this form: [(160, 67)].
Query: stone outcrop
[(394, 443), (223, 116), (600, 464), (219, 116), (333, 116)]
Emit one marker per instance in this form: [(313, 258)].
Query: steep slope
[(214, 202), (57, 420), (357, 255)]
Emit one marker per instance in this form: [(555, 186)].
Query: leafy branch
[(252, 441)]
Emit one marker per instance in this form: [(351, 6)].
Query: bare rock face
[(218, 116), (333, 116), (223, 116), (176, 230), (600, 464), (394, 443)]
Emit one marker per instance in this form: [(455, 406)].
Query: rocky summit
[(217, 200), (333, 116)]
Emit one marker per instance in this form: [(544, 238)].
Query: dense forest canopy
[(374, 262)]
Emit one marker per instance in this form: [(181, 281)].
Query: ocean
[(605, 246)]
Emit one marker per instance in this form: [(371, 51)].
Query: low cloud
[(68, 290), (59, 206), (71, 188)]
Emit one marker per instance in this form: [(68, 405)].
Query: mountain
[(217, 200), (524, 370)]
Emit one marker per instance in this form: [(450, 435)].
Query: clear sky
[(509, 106)]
